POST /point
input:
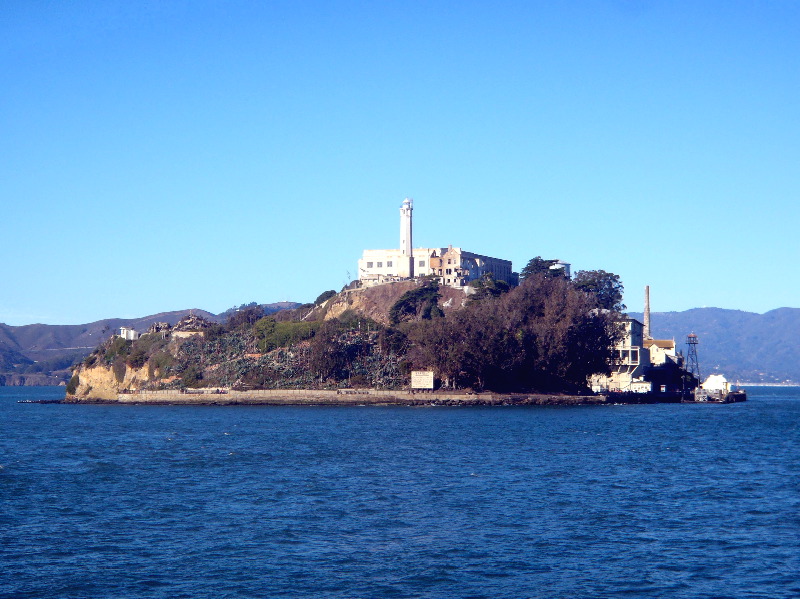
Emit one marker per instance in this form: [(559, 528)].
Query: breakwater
[(342, 397)]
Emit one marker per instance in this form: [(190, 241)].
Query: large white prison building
[(452, 265)]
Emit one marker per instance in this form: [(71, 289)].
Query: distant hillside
[(756, 348), (41, 354)]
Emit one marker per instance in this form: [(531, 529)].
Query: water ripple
[(177, 501)]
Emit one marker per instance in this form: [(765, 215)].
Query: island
[(544, 341)]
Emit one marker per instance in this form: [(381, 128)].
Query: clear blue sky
[(165, 155)]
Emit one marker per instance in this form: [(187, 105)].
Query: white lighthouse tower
[(407, 260)]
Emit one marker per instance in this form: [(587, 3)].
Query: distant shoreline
[(768, 384)]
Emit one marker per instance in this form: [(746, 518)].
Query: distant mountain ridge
[(42, 354), (745, 346)]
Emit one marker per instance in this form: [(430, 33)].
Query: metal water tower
[(692, 365)]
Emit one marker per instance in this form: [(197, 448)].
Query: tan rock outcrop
[(100, 382), (375, 302)]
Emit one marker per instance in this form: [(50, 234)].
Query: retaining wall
[(346, 397)]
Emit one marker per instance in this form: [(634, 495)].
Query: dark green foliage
[(432, 311), (137, 357), (325, 295), (349, 319), (393, 341), (328, 359), (226, 315), (292, 355), (214, 331), (271, 334), (90, 360), (540, 266), (542, 335), (119, 367), (416, 304), (72, 385), (344, 351), (144, 347), (159, 362), (192, 376), (261, 377), (606, 287), (487, 286), (118, 347), (245, 317)]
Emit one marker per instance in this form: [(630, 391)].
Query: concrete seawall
[(342, 397)]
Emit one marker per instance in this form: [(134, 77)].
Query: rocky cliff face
[(375, 302), (101, 382)]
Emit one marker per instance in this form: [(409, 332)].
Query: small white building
[(128, 334), (661, 350)]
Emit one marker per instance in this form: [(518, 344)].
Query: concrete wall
[(350, 397)]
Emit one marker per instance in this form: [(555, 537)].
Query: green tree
[(192, 376), (488, 286), (325, 295), (540, 266), (419, 303), (328, 359), (543, 335), (117, 347), (270, 334), (245, 317), (604, 286), (72, 385), (119, 367)]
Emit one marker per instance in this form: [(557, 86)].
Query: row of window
[(389, 264), (447, 271)]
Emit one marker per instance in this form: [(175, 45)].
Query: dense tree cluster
[(545, 335), (488, 286), (542, 267), (604, 286), (419, 303), (324, 296)]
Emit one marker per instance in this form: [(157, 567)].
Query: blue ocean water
[(611, 501)]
